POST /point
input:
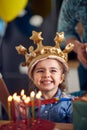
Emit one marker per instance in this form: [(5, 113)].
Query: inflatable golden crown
[(32, 56)]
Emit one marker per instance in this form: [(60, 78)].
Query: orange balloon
[(10, 9)]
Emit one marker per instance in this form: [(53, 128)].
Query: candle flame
[(22, 92), (10, 98), (17, 98), (14, 95), (27, 100), (32, 94), (24, 97), (38, 95)]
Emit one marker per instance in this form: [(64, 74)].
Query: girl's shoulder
[(66, 95)]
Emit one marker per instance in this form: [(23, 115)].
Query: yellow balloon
[(10, 9)]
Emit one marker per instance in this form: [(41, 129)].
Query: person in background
[(47, 68), (4, 93), (73, 12)]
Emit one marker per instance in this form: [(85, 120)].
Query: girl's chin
[(46, 89)]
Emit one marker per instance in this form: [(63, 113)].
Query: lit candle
[(17, 106), (38, 96), (9, 106), (27, 100), (22, 92), (16, 109), (32, 95)]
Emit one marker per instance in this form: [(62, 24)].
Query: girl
[(47, 68)]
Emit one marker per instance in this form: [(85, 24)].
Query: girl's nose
[(47, 74)]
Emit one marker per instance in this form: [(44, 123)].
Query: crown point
[(36, 37), (59, 38), (21, 49), (31, 50), (68, 48)]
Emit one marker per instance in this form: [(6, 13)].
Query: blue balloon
[(2, 27)]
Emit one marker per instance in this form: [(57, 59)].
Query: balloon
[(10, 9)]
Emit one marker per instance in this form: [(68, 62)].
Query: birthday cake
[(18, 108), (38, 124)]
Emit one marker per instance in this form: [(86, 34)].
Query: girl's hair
[(62, 86)]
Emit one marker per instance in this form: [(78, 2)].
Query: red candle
[(38, 96)]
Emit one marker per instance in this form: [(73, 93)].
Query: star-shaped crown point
[(59, 38), (36, 37)]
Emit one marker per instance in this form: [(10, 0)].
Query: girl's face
[(48, 74)]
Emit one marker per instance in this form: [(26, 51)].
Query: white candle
[(9, 106)]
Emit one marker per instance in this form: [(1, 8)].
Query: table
[(63, 126), (58, 126)]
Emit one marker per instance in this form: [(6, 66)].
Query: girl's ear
[(62, 78)]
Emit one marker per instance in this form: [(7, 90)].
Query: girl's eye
[(53, 70), (39, 71)]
